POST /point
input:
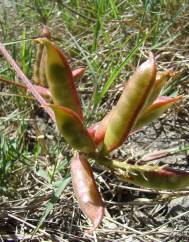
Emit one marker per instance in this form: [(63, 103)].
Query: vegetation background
[(110, 38)]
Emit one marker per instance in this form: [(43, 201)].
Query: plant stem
[(25, 80), (115, 164)]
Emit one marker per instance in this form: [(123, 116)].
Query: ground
[(37, 201)]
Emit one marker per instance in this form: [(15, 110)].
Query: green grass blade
[(59, 188), (165, 41), (114, 8), (116, 72), (99, 23), (82, 52)]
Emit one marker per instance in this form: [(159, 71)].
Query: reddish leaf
[(161, 79), (155, 155), (91, 130), (72, 129), (39, 76), (99, 129), (155, 110), (43, 91), (157, 177), (86, 191), (60, 79), (130, 105), (78, 73)]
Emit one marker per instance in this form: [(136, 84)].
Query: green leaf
[(60, 78), (130, 105), (156, 177), (155, 110), (161, 79), (72, 129), (44, 174)]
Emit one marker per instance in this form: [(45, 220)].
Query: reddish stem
[(25, 80)]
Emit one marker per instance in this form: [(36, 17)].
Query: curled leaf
[(72, 129), (156, 155), (130, 105), (43, 91), (155, 110), (78, 73), (42, 76), (99, 129), (36, 67), (60, 79), (39, 76), (160, 81), (86, 191), (156, 177), (91, 130)]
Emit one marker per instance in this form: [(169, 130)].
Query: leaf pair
[(60, 79), (67, 108), (69, 120), (138, 105)]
